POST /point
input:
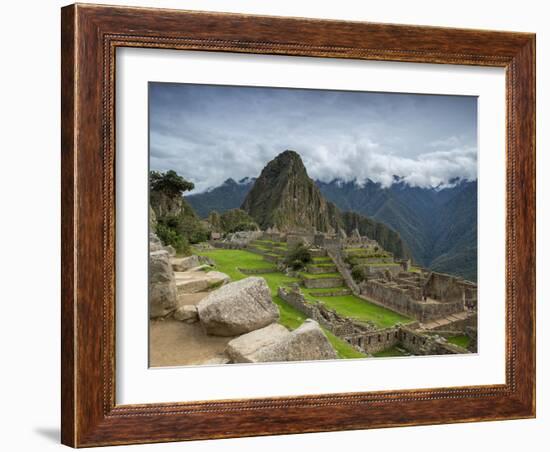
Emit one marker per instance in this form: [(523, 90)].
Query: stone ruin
[(424, 296)]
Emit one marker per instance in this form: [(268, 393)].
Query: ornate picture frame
[(90, 36)]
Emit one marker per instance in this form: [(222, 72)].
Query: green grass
[(328, 289), (228, 261), (320, 260), (390, 352), (414, 269), (361, 310), (460, 340), (320, 275), (343, 349), (289, 316)]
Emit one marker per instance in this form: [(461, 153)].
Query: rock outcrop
[(248, 347), (162, 285), (238, 307), (193, 281), (275, 344), (286, 198), (154, 243), (187, 314), (182, 264)]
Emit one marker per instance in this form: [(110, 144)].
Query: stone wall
[(422, 344), (392, 268), (322, 283), (257, 271), (366, 337), (443, 287), (376, 341), (335, 293), (273, 236), (295, 239), (315, 270), (459, 326), (318, 252), (342, 327), (359, 242), (337, 258), (227, 245), (400, 299)]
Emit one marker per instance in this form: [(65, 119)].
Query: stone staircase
[(445, 322), (322, 273)]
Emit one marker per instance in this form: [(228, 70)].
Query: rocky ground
[(176, 343), (199, 317)]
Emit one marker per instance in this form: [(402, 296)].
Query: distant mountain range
[(437, 225), (229, 195)]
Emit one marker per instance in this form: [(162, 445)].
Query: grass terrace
[(391, 352), (320, 275), (460, 340), (322, 260), (327, 290), (229, 262), (323, 264), (359, 309)]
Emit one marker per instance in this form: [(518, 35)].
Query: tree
[(177, 223), (298, 257), (169, 183), (215, 221), (358, 273), (235, 220)]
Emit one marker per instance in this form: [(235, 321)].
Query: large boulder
[(248, 347), (238, 307), (306, 343), (162, 285), (199, 281), (171, 250), (154, 242), (182, 264)]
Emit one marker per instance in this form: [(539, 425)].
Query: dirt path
[(175, 343)]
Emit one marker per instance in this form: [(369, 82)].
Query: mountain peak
[(287, 162), (284, 196), (230, 181)]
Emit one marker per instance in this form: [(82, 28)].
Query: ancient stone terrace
[(365, 337), (430, 297), (424, 296)]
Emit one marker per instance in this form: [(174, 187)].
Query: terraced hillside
[(326, 286)]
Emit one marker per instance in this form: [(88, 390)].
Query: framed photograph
[(281, 225)]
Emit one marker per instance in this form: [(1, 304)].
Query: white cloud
[(210, 134)]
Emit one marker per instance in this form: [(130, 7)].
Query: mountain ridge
[(437, 224)]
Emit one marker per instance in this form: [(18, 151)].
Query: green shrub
[(236, 220), (298, 257), (169, 236), (358, 273)]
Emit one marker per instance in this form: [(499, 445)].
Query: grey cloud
[(210, 133)]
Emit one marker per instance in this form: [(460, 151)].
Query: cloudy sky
[(211, 133)]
